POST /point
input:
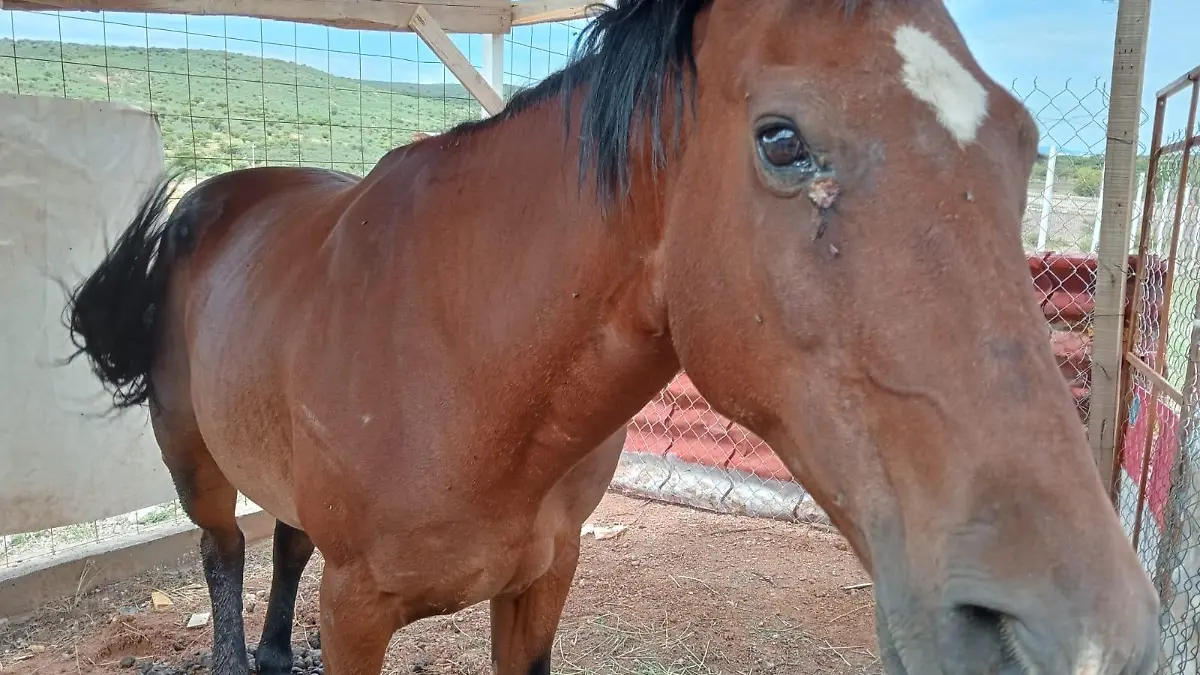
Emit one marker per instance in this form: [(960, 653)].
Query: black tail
[(113, 314)]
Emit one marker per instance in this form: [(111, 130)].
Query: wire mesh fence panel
[(1176, 562), (1159, 491), (1066, 185), (680, 450), (1064, 188), (235, 92), (533, 52), (231, 93)]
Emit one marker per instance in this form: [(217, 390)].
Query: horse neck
[(549, 290)]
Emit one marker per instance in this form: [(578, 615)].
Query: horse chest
[(455, 566)]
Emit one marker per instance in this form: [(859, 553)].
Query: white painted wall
[(71, 176)]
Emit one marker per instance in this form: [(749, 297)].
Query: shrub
[(1087, 181)]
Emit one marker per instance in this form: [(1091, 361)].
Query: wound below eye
[(824, 192)]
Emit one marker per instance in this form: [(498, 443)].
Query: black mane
[(632, 56)]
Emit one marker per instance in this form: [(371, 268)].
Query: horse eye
[(782, 147)]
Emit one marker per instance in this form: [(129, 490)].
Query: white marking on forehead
[(933, 75)]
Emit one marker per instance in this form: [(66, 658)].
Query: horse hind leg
[(524, 625), (210, 501), (291, 552)]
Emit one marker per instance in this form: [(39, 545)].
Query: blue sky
[(1057, 40), (1035, 46)]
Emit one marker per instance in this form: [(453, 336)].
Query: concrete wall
[(71, 176)]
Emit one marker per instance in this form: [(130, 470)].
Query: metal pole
[(1047, 199), (1136, 218)]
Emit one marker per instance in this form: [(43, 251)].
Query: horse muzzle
[(998, 634)]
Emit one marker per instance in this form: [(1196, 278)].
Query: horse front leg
[(357, 621), (523, 626)]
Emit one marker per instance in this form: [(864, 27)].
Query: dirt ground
[(680, 592)]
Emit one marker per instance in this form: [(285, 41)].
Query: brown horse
[(812, 207)]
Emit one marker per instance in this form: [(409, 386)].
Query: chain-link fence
[(1159, 490), (1066, 187), (1061, 226), (237, 92)]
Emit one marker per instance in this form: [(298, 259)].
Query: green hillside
[(450, 89), (234, 110)]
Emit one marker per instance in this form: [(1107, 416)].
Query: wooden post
[(493, 64), (432, 34), (1124, 118), (527, 12)]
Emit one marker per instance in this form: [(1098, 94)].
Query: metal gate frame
[(1144, 356)]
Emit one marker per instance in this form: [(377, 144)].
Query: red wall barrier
[(679, 421)]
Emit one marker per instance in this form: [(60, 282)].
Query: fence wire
[(236, 92)]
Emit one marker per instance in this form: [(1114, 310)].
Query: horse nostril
[(975, 639)]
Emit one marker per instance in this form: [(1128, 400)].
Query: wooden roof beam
[(453, 16), (528, 12), (423, 24)]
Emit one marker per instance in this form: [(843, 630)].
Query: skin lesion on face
[(824, 191), (788, 167)]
